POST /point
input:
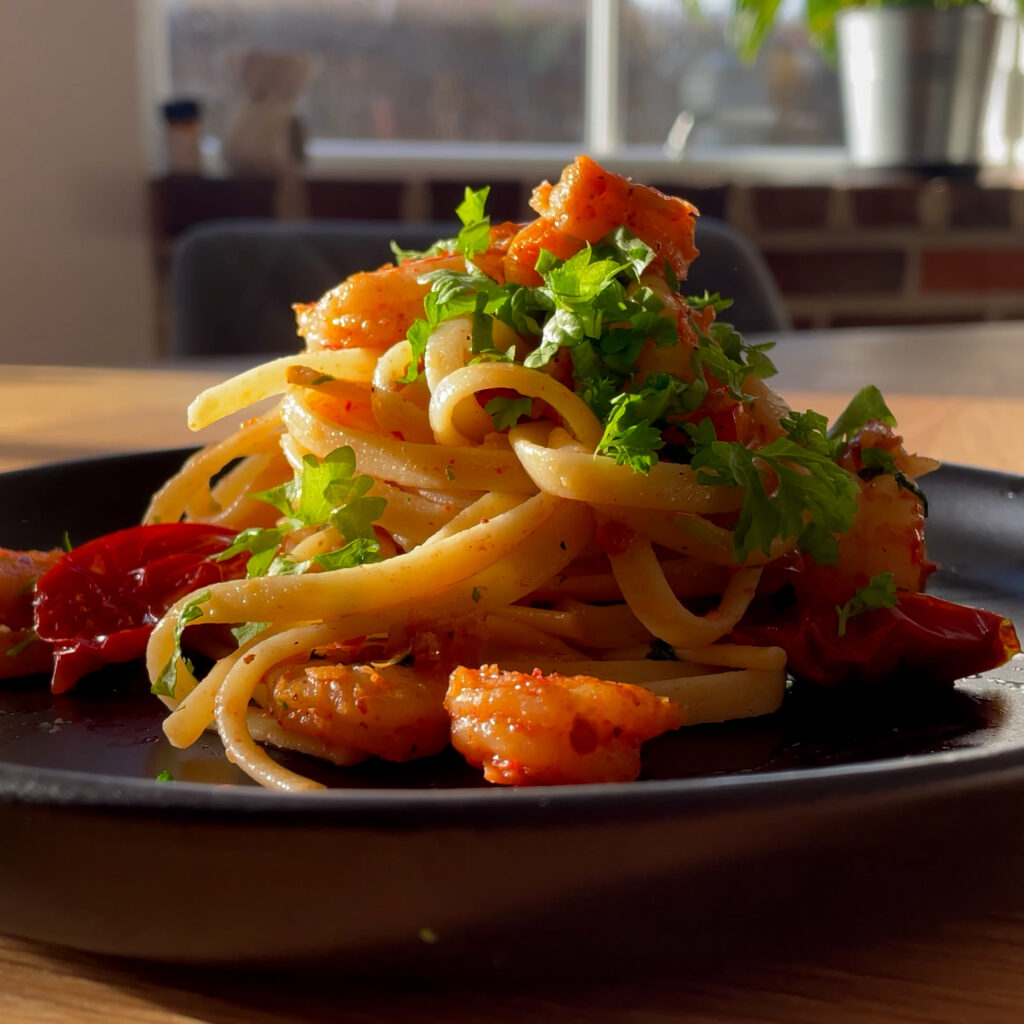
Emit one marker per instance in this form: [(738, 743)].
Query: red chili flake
[(613, 537)]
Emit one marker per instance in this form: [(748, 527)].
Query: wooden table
[(958, 393), (930, 930)]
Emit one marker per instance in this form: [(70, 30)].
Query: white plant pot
[(914, 84)]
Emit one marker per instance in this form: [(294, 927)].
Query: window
[(676, 65), (516, 79), (441, 70)]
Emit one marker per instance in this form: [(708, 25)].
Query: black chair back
[(730, 265)]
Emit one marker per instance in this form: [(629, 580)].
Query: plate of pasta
[(522, 554)]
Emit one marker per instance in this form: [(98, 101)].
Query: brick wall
[(905, 252), (892, 251)]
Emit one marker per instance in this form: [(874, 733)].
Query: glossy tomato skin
[(921, 638), (99, 603)]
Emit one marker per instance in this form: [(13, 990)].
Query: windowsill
[(413, 162), (421, 160), (536, 161)]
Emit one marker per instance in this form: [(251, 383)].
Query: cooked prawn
[(393, 712), (586, 204), (888, 533), (376, 308), (384, 698), (544, 730), (373, 309)]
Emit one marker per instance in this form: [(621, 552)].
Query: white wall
[(76, 269)]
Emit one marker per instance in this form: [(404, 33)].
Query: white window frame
[(412, 160)]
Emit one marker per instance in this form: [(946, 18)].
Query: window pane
[(446, 70), (675, 65)]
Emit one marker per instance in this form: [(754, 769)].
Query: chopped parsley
[(592, 313), (631, 436), (868, 404), (879, 592), (661, 650), (506, 412), (27, 640), (590, 302), (325, 492), (788, 491), (712, 299), (722, 351), (245, 632), (811, 429), (475, 234), (166, 683)]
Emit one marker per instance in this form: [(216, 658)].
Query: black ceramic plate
[(97, 854)]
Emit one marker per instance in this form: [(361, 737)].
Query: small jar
[(181, 119)]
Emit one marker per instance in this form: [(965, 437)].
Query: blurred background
[(130, 122)]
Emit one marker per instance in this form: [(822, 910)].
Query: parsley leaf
[(166, 682), (261, 543), (810, 429), (712, 299), (564, 328), (671, 277), (722, 351), (506, 412), (475, 235), (878, 592), (598, 392), (867, 404), (418, 335), (245, 632), (354, 520), (788, 491), (324, 485), (632, 444), (577, 283), (325, 492), (358, 551), (631, 436), (442, 245), (627, 250), (588, 301), (470, 292)]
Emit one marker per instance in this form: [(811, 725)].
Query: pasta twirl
[(523, 493)]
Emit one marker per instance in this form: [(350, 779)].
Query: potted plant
[(914, 75)]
